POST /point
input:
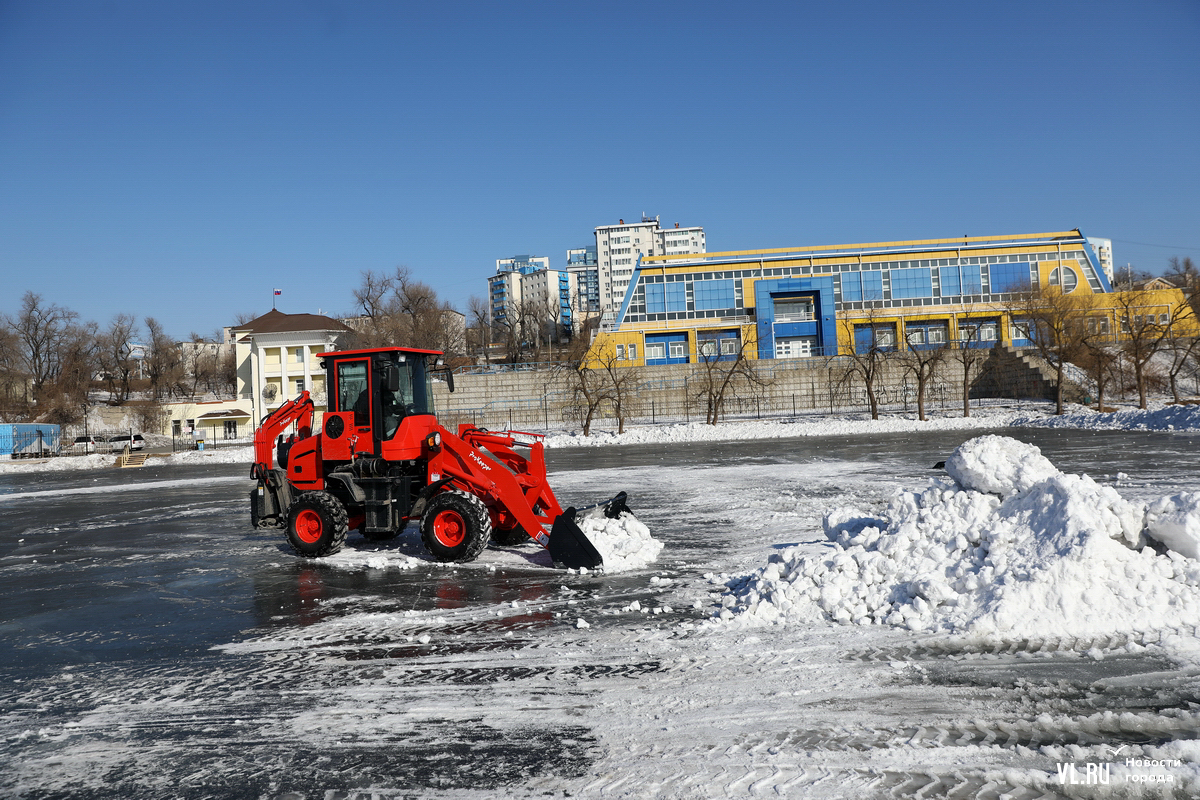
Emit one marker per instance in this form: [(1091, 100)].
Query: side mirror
[(391, 378)]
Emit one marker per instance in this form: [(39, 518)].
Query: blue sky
[(181, 160)]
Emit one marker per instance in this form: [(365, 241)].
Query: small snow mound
[(625, 543), (1175, 522), (998, 465)]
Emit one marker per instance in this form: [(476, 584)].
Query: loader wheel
[(456, 526), (317, 524)]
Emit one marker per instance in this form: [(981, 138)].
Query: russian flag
[(278, 292)]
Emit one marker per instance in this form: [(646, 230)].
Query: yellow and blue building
[(809, 301)]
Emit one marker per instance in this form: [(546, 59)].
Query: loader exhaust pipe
[(569, 546)]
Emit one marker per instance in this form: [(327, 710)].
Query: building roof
[(275, 321), (232, 413)]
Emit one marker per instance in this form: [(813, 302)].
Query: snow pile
[(625, 543), (1175, 522), (223, 455), (1167, 418), (1010, 547), (989, 464)]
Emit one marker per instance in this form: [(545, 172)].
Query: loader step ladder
[(130, 459)]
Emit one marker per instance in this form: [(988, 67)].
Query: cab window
[(354, 391)]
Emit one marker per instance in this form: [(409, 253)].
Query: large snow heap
[(1008, 546)]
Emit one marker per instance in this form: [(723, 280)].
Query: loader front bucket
[(569, 545)]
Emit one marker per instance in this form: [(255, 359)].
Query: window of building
[(793, 309), (678, 349), (231, 429), (950, 281), (656, 350), (176, 427), (1010, 278), (1065, 278), (909, 283), (620, 352), (713, 295), (632, 352)]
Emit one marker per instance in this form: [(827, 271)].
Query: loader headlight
[(434, 441)]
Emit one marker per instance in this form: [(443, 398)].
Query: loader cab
[(375, 398)]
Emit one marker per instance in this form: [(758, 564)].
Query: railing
[(499, 369)]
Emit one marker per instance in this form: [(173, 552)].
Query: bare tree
[(164, 362), (1185, 275), (42, 333), (589, 385), (13, 379), (724, 371), (399, 310), (623, 379), (1054, 323), (1099, 355), (117, 356), (922, 360), (479, 325), (69, 396), (968, 355), (1185, 355), (870, 342), (1147, 325)]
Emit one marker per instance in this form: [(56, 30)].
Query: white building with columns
[(277, 358)]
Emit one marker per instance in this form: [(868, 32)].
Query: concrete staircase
[(1012, 372)]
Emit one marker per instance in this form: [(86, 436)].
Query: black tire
[(456, 526), (317, 525), (511, 537)]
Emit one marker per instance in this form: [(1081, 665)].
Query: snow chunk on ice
[(625, 543), (998, 465), (1061, 556), (1175, 522)]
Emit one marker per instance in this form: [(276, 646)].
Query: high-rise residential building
[(581, 263), (618, 248), (526, 286), (1103, 250)]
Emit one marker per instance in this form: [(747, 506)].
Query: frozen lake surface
[(156, 646)]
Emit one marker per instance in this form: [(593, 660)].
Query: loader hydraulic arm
[(298, 410)]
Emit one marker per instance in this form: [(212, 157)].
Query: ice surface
[(1058, 555), (625, 543)]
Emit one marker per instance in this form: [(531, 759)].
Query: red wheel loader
[(380, 460)]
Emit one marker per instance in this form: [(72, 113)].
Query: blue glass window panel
[(951, 285), (1010, 277), (908, 283), (655, 299), (714, 295), (971, 282), (872, 285), (676, 296), (851, 287)]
